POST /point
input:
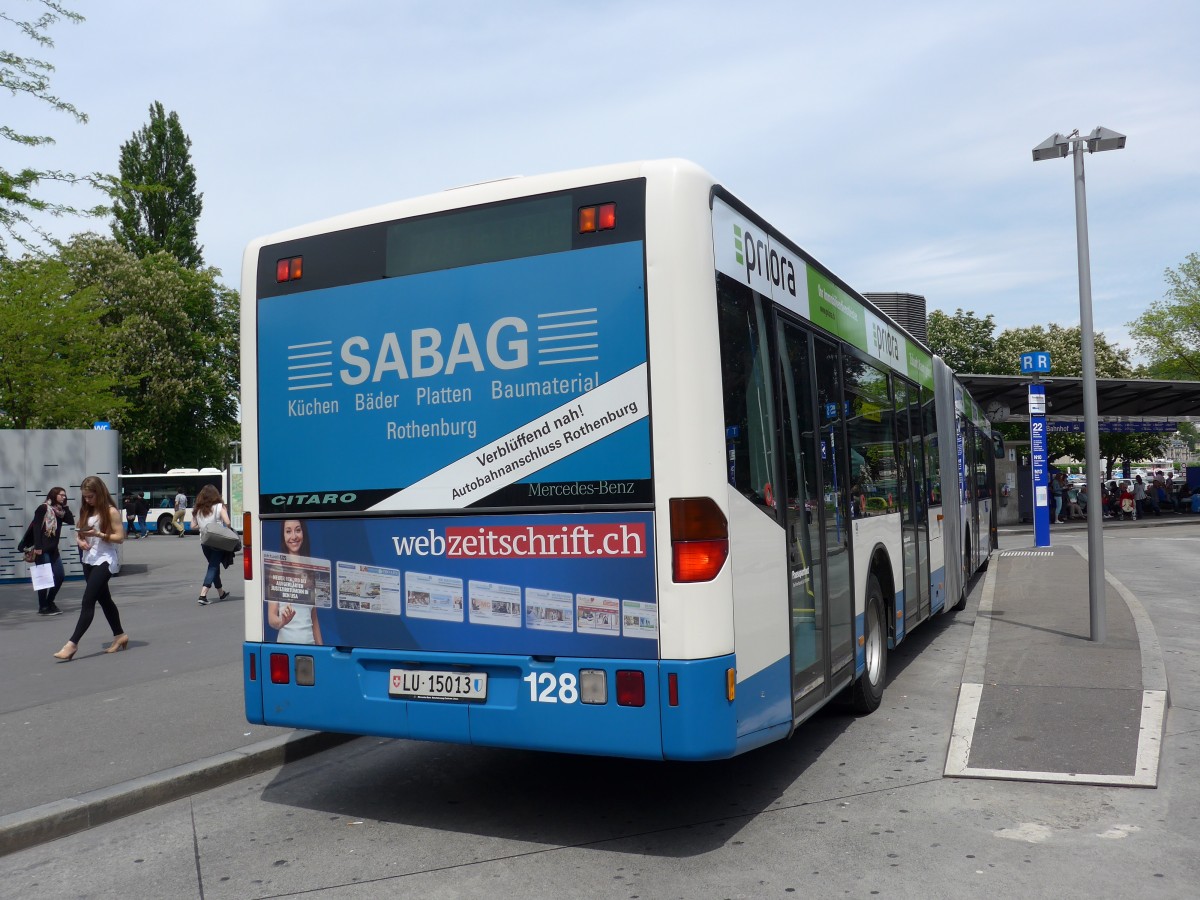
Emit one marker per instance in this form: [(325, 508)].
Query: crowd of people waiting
[(1123, 499)]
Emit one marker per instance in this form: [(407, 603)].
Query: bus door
[(835, 507), (815, 519), (909, 466), (802, 521)]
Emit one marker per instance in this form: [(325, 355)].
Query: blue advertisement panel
[(507, 383), (577, 585)]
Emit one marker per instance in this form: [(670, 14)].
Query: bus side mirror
[(998, 444)]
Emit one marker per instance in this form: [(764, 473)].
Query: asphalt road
[(849, 807), (174, 696)]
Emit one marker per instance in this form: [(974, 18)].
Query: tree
[(18, 189), (965, 341), (1168, 332), (173, 332), (53, 370), (1065, 346), (156, 205)]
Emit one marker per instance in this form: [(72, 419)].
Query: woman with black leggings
[(99, 533)]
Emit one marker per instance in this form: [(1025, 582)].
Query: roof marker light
[(587, 219)]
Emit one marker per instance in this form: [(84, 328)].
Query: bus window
[(749, 404)]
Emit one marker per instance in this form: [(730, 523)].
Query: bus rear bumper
[(531, 703)]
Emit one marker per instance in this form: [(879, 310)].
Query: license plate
[(432, 684)]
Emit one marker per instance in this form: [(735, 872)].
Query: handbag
[(218, 535)]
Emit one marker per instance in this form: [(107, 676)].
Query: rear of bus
[(451, 512)]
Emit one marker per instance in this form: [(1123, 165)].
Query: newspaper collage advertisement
[(578, 584)]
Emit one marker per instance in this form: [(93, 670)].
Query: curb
[(50, 821)]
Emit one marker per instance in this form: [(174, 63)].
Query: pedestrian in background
[(130, 505), (211, 508), (97, 538), (42, 537), (143, 509), (180, 514)]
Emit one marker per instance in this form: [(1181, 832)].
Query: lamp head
[(1054, 147), (1104, 139)]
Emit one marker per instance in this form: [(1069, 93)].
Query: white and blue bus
[(595, 462)]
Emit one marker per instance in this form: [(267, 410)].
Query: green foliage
[(30, 76), (54, 369), (964, 341), (1168, 333), (1065, 348), (156, 206), (172, 333)]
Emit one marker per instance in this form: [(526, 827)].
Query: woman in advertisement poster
[(97, 537), (296, 624)]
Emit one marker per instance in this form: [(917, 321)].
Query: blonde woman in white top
[(210, 508), (99, 533)]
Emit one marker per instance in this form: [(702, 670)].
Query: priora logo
[(330, 499), (761, 257)]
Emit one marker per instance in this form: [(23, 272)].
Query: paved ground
[(108, 722), (104, 736)]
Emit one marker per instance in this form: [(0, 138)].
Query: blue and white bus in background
[(595, 462)]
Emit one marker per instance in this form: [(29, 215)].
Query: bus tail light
[(699, 539), (281, 672), (247, 556), (730, 684), (289, 269), (631, 687), (597, 218), (673, 689)]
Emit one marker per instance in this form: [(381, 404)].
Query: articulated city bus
[(594, 462)]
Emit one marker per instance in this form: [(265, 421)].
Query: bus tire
[(165, 524), (867, 691)]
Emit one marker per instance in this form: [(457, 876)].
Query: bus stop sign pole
[(1037, 449)]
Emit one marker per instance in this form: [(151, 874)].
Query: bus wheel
[(867, 691), (166, 524)]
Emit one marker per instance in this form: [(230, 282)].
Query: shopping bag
[(43, 576)]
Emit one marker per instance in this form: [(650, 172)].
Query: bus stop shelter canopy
[(1116, 398)]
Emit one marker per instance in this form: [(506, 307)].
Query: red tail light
[(699, 539), (673, 688), (280, 668), (289, 269), (247, 556), (631, 687)]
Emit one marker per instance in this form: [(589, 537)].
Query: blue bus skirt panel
[(350, 695)]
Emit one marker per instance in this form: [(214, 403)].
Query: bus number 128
[(553, 688)]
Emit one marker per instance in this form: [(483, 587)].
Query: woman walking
[(97, 539), (42, 538), (210, 508)]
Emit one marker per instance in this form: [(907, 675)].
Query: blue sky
[(890, 140)]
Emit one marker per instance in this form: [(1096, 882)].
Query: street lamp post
[(1055, 147)]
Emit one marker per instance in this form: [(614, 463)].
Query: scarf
[(50, 521)]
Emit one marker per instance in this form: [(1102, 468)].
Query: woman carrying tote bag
[(209, 508)]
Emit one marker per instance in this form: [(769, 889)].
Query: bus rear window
[(482, 235)]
